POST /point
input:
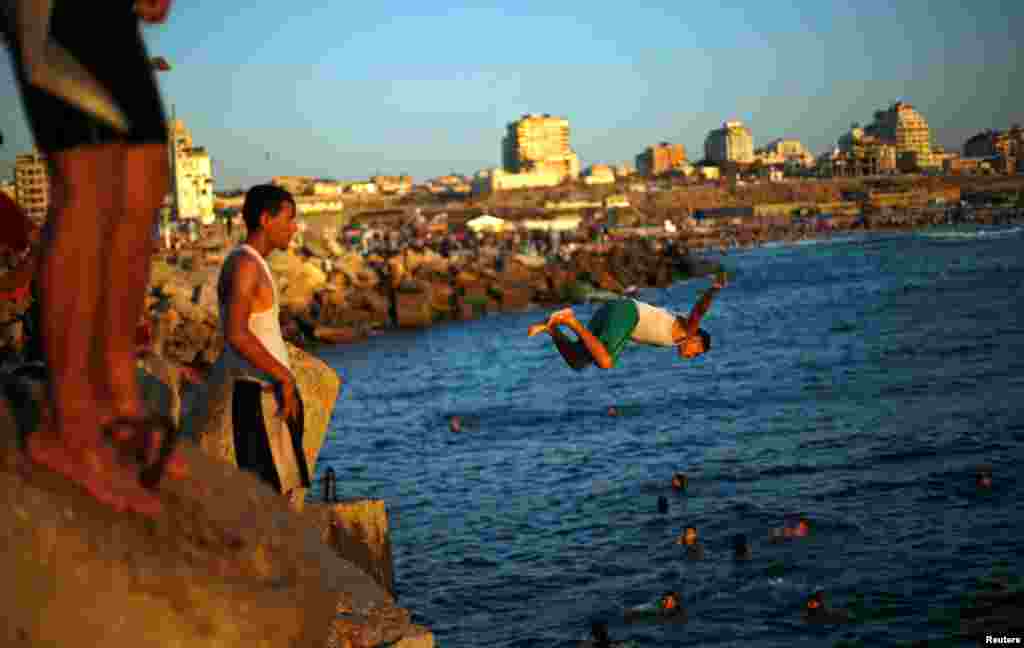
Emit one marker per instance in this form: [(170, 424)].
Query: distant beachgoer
[(455, 424), (679, 482), (662, 504), (740, 547), (612, 411), (617, 322), (19, 239), (95, 112), (255, 357)]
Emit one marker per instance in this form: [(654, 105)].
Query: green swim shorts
[(613, 324)]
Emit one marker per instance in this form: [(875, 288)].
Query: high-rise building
[(193, 176), (295, 185), (539, 144), (860, 154), (786, 152), (32, 185), (730, 143), (660, 159), (1006, 146), (904, 128)]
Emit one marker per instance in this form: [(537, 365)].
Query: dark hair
[(739, 541), (261, 198), (706, 337)]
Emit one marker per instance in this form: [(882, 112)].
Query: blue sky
[(347, 90)]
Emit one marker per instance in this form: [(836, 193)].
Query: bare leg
[(575, 353), (125, 275), (546, 326), (69, 440)]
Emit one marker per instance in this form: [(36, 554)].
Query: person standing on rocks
[(255, 357), (617, 322), (95, 111)]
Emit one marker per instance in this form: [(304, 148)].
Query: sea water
[(857, 380)]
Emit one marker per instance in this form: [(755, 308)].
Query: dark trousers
[(252, 448)]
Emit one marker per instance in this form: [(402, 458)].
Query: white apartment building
[(32, 185), (193, 177), (732, 142)]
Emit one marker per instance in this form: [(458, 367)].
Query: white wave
[(973, 234)]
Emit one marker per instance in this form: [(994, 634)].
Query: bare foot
[(142, 442), (96, 469), (563, 316), (536, 328)]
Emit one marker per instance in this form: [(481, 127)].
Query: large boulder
[(413, 309), (160, 381), (606, 281), (376, 303), (209, 421), (396, 270), (350, 264), (441, 297), (194, 337), (226, 564), (300, 284), (515, 297)]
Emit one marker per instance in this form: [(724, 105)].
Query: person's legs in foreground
[(128, 234), (87, 184)]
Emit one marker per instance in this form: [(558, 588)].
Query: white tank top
[(654, 326), (265, 325)]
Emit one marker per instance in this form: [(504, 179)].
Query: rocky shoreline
[(417, 289), (331, 295)]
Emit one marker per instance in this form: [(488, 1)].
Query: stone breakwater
[(229, 562), (414, 289), (331, 295)]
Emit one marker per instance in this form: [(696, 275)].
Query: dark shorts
[(104, 37), (613, 325), (252, 449)]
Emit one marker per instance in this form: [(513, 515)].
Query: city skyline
[(348, 92)]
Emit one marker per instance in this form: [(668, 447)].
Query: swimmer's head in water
[(984, 478), (679, 481), (816, 602), (662, 504), (669, 601), (695, 345), (803, 527), (690, 535)]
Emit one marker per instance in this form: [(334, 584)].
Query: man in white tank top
[(255, 356), (620, 321)]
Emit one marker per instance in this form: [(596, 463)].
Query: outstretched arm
[(702, 306)]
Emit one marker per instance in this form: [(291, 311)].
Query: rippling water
[(858, 381)]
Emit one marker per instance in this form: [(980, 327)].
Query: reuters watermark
[(990, 640)]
